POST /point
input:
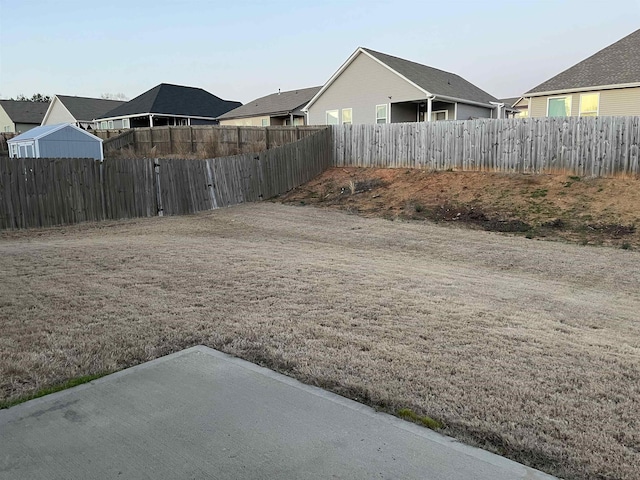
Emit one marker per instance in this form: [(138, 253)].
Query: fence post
[(102, 198), (266, 138), (156, 168), (193, 150)]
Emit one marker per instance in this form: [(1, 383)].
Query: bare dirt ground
[(530, 349), (596, 211)]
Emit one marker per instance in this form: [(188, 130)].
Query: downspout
[(429, 107), (499, 106)]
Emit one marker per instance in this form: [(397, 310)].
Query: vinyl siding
[(58, 114), (361, 86), (5, 121), (465, 112), (23, 127), (246, 122), (70, 143), (620, 101)]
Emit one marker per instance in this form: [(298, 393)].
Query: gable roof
[(435, 81), (428, 79), (85, 108), (25, 111), (168, 99), (509, 102), (44, 130), (616, 64), (281, 103)]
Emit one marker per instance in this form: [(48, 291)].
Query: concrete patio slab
[(201, 414)]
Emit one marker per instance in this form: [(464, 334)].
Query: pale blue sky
[(243, 49)]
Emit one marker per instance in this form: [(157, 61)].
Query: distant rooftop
[(25, 111), (280, 103)]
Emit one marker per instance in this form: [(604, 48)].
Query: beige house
[(607, 83), (17, 116), (79, 111), (281, 108), (373, 87)]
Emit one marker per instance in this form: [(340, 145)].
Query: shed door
[(26, 151)]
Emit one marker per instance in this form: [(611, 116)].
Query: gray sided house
[(605, 84), (167, 104), (56, 141), (373, 87), (17, 116), (282, 108), (77, 110)]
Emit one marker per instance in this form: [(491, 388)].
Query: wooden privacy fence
[(46, 192), (589, 146), (206, 141)]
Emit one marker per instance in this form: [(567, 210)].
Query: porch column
[(150, 120), (429, 108)]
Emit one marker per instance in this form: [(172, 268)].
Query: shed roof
[(616, 64), (168, 99), (44, 130), (280, 103), (25, 111), (433, 80), (86, 109)]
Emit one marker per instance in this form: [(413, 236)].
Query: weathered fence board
[(588, 146), (47, 192), (201, 140)]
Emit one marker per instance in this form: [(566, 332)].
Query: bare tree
[(36, 97)]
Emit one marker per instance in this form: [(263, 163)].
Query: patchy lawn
[(595, 211), (530, 349)]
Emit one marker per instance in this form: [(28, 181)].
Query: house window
[(103, 125), (347, 114), (126, 123), (381, 113), (559, 107), (110, 124), (7, 128), (439, 115), (265, 122), (589, 103), (332, 117)]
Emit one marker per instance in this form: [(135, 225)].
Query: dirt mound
[(598, 211)]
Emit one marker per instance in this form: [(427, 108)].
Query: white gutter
[(583, 89)]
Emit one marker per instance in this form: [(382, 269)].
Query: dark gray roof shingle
[(433, 80), (281, 103), (509, 101), (24, 111), (167, 99), (619, 63), (86, 109)]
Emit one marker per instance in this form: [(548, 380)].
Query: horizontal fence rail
[(47, 192), (587, 146)]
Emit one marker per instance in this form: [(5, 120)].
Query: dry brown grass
[(527, 348)]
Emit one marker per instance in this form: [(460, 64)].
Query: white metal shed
[(56, 141)]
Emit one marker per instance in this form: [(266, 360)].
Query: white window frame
[(103, 125), (386, 113), (126, 123), (435, 112), (570, 97), (580, 105), (326, 117), (350, 114), (264, 122), (110, 125)]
